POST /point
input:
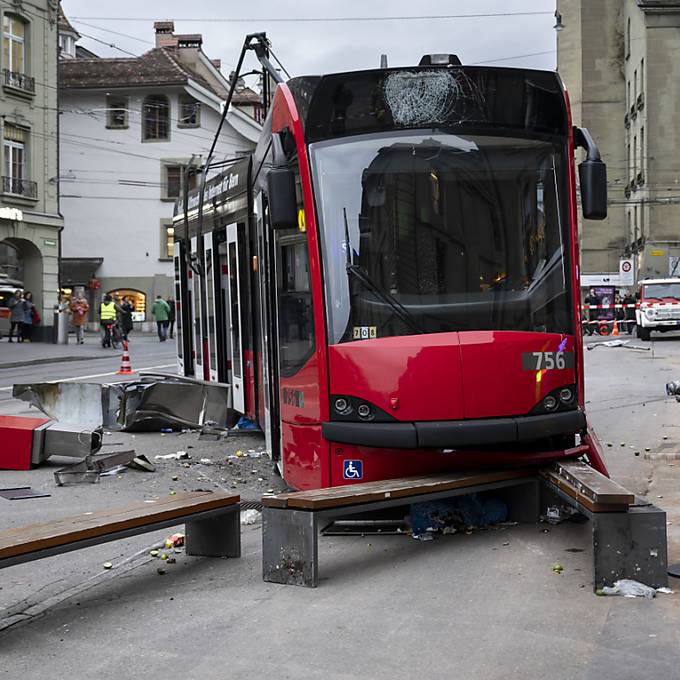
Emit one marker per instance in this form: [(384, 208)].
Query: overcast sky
[(306, 47)]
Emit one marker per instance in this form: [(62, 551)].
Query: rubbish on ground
[(665, 591), (174, 541), (154, 553), (107, 565), (628, 588), (166, 429), (556, 514), (245, 424), (141, 462), (19, 493), (171, 560), (160, 571), (119, 469), (205, 461), (249, 517), (211, 431), (455, 514), (180, 455), (91, 468), (174, 478), (558, 568), (163, 556)]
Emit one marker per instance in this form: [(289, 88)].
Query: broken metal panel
[(148, 404)]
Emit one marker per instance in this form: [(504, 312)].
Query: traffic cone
[(125, 365), (616, 328)]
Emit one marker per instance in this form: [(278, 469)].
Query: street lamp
[(559, 26)]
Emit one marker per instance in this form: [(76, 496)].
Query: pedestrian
[(592, 301), (161, 312), (125, 317), (629, 311), (79, 308), (171, 317), (31, 317), (107, 318), (16, 315)]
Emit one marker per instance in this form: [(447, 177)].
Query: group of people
[(623, 313), (23, 316), (164, 313), (112, 311)]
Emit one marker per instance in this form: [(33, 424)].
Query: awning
[(78, 270)]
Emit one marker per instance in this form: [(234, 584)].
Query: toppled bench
[(212, 523), (290, 521), (629, 534)]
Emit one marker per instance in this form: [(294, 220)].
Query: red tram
[(390, 282)]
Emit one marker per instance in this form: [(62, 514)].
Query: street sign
[(626, 272), (352, 469), (607, 279)]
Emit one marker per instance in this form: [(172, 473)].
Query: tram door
[(196, 312), (234, 318), (182, 291), (211, 278)]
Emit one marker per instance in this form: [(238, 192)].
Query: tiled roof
[(64, 24), (155, 67)]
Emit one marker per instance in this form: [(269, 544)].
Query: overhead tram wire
[(233, 20)]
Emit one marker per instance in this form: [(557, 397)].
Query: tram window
[(210, 304), (178, 315), (296, 318)]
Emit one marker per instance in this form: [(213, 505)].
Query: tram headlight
[(550, 403), (364, 411), (342, 406), (566, 395)]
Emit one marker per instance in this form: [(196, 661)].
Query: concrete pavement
[(463, 606)]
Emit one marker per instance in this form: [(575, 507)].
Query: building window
[(156, 118), (189, 112), (67, 45), (117, 113), (642, 76), (14, 179), (173, 181), (13, 43), (628, 39), (634, 86), (167, 240)]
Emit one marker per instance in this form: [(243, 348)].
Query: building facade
[(129, 128), (618, 59), (30, 222)]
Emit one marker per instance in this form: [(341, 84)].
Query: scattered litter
[(163, 556), (171, 560), (180, 455), (154, 553), (107, 565), (557, 568), (114, 471), (628, 588), (246, 424), (249, 517), (174, 478), (556, 514), (205, 461), (165, 430), (455, 514), (141, 462), (664, 591), (174, 541), (617, 343), (160, 571), (173, 493), (22, 492)]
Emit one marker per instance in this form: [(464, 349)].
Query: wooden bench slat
[(23, 540), (552, 477), (404, 487), (595, 485)]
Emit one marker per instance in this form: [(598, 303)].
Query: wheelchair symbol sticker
[(352, 469)]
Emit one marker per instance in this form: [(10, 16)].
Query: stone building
[(30, 223), (129, 128), (619, 61)]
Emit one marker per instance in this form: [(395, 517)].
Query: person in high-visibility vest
[(107, 317)]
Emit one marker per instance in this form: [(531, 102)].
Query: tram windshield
[(428, 232)]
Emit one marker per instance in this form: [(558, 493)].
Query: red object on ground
[(16, 437)]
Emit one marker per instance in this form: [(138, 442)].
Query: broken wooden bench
[(629, 535), (212, 524)]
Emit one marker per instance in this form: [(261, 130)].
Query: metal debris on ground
[(180, 455), (91, 468), (141, 462), (19, 493), (617, 343)]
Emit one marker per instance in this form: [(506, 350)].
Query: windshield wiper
[(361, 274)]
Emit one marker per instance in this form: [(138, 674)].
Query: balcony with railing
[(14, 186), (18, 81)]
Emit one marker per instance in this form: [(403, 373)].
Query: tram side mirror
[(592, 174), (282, 198)]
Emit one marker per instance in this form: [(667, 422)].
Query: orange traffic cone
[(616, 328), (125, 365)]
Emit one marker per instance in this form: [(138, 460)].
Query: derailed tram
[(389, 284)]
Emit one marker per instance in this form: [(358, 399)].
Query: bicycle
[(111, 334)]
